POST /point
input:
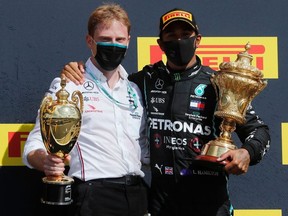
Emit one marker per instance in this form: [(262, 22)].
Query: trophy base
[(206, 161), (57, 192), (213, 150), (207, 158)]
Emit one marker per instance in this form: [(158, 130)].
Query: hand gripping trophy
[(60, 122), (237, 83)]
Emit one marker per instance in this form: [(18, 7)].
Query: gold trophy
[(236, 83), (60, 122)]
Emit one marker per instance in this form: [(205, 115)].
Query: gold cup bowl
[(236, 84), (60, 122)]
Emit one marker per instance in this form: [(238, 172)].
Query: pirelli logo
[(215, 50), (176, 14), (12, 140)]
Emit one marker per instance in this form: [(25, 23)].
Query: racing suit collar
[(189, 73)]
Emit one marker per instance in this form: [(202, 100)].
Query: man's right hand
[(53, 165), (74, 71)]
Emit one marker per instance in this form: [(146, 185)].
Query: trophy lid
[(242, 65), (62, 94)]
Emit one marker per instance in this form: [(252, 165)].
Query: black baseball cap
[(177, 14)]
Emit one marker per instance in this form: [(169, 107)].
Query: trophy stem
[(215, 148), (62, 177), (227, 126), (54, 178)]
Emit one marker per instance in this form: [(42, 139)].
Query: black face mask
[(180, 52), (109, 55)]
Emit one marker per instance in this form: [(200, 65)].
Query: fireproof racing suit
[(180, 108)]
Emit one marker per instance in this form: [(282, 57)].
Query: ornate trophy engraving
[(237, 83), (60, 122)]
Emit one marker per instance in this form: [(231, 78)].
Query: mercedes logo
[(159, 83), (88, 85)]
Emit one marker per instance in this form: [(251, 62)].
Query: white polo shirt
[(111, 135)]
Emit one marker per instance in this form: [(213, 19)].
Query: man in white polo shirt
[(105, 162)]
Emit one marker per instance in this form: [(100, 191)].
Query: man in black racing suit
[(180, 106), (181, 119)]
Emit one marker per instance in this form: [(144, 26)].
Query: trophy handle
[(44, 109), (77, 99), (262, 85)]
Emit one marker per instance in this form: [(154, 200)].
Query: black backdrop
[(38, 37)]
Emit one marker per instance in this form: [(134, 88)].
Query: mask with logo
[(110, 55), (180, 52)]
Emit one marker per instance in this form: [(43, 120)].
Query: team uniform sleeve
[(144, 143), (254, 135), (143, 140), (138, 79)]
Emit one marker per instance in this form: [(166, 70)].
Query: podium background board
[(37, 38)]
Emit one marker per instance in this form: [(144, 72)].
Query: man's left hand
[(236, 161)]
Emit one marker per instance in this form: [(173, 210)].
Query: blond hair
[(106, 14)]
